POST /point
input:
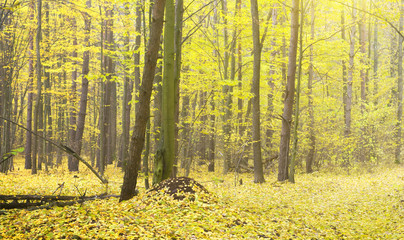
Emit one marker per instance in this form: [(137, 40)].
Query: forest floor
[(317, 206)]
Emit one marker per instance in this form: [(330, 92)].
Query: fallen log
[(33, 202)]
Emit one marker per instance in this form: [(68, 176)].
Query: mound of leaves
[(180, 188)]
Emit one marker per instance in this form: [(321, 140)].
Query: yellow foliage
[(318, 206)]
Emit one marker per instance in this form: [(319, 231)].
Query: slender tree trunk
[(344, 75), (297, 100), (110, 104), (28, 141), (258, 170), (312, 136), (271, 83), (201, 145), (233, 57), (362, 44), (348, 106), (38, 104), (84, 89), (158, 98), (211, 144), (48, 152), (240, 83), (376, 62), (227, 102), (240, 105), (101, 156), (400, 87), (364, 149), (128, 85), (142, 115), (179, 10), (289, 96), (146, 157), (72, 162)]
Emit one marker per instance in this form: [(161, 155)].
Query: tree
[(8, 67), (227, 91), (28, 140), (142, 115), (289, 95), (128, 84), (312, 136), (72, 162), (81, 119), (164, 164), (400, 87), (258, 171), (179, 11), (38, 104)]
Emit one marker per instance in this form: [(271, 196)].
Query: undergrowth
[(317, 206)]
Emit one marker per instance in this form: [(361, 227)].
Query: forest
[(215, 119)]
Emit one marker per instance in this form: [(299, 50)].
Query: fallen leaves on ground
[(317, 206)]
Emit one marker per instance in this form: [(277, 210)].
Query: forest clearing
[(318, 206)]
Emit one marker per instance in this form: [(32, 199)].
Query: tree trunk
[(101, 156), (376, 63), (7, 63), (110, 97), (48, 150), (168, 104), (312, 136), (271, 84), (258, 171), (243, 158), (179, 10), (28, 140), (128, 85), (84, 89), (364, 149), (142, 115), (348, 106), (211, 144), (72, 162), (289, 95), (227, 102), (400, 88), (297, 101), (38, 103)]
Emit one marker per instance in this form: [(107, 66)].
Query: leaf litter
[(317, 206)]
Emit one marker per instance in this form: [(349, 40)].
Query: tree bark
[(72, 163), (400, 88), (168, 103), (348, 106), (101, 156), (312, 136), (84, 88), (227, 93), (297, 101), (38, 103), (289, 95), (258, 170), (28, 140), (179, 10), (143, 113)]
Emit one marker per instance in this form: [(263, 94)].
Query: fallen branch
[(33, 202), (62, 147)]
